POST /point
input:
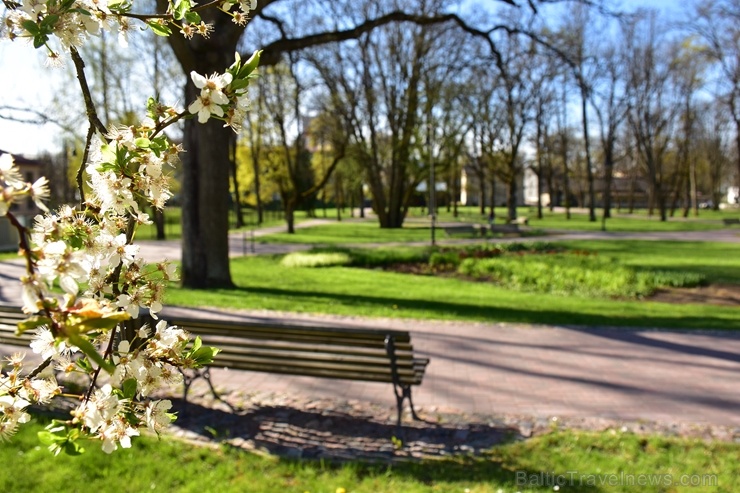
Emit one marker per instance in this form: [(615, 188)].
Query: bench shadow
[(334, 434), (327, 439)]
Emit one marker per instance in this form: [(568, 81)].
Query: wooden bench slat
[(227, 325), (313, 356), (328, 373), (335, 340), (233, 344)]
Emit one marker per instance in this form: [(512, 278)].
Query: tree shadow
[(447, 309)]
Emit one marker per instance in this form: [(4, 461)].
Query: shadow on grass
[(452, 310), (330, 439)]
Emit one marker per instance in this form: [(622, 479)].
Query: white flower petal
[(198, 79)]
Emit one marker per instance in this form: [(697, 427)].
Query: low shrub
[(444, 260), (575, 273), (315, 259)]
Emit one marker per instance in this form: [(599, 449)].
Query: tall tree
[(718, 23), (576, 41), (610, 103), (652, 113), (517, 95)]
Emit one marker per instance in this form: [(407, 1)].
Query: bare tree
[(610, 102), (651, 113), (718, 24)]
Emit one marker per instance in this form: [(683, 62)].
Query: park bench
[(461, 229), (374, 355), (9, 317), (728, 221), (361, 354)]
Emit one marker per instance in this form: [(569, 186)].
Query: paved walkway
[(494, 368), (689, 377)]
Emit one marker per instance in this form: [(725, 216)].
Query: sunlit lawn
[(9, 255), (262, 283), (174, 466)]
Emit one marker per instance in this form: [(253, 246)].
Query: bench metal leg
[(205, 374), (403, 392)]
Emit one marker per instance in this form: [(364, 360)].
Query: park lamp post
[(432, 188), (432, 199)]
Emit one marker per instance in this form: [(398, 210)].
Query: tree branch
[(92, 114)]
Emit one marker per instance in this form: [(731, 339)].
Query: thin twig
[(162, 125), (85, 156), (96, 374), (36, 371), (92, 114)]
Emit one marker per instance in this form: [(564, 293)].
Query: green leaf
[(197, 343), (234, 68), (48, 22), (193, 17), (31, 27), (204, 355), (159, 29), (49, 438), (87, 348), (31, 323), (250, 65), (237, 84), (73, 448), (182, 7), (84, 364), (40, 40), (142, 143), (129, 388)]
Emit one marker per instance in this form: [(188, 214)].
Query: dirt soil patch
[(715, 294)]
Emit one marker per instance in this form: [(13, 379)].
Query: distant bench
[(481, 230), (462, 229), (361, 354), (729, 221)]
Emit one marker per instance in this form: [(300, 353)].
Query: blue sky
[(24, 81)]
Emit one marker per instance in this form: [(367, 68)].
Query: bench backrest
[(334, 352), (9, 318), (348, 353)]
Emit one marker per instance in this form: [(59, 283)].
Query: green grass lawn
[(173, 466), (9, 256), (262, 283)]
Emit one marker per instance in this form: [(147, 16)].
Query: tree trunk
[(362, 201), (589, 171), (158, 219), (205, 205), (235, 181), (492, 213), (289, 214), (481, 189), (205, 184), (608, 179), (511, 199)]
